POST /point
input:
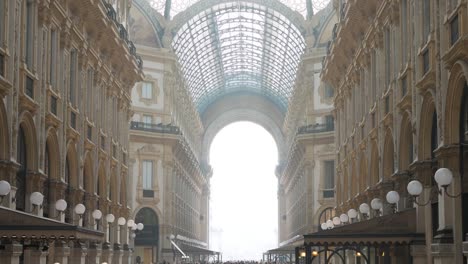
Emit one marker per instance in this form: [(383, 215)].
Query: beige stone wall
[(396, 67), (171, 141), (67, 89), (309, 141)]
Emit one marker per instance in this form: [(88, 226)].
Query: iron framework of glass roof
[(177, 6), (239, 47)]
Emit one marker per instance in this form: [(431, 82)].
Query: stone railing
[(316, 128), (157, 128)]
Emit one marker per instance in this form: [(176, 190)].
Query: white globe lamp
[(376, 204), (121, 221), (324, 226), (414, 188), (36, 198), (97, 214), (61, 205), (110, 218), (393, 197), (364, 208), (443, 177), (336, 221), (80, 209), (344, 218), (352, 213)]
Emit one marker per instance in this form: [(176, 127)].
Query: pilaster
[(94, 253), (35, 256), (107, 253), (78, 253), (11, 253), (118, 253), (61, 252)]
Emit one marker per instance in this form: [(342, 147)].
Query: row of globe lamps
[(37, 198), (443, 177)]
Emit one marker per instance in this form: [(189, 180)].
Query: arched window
[(434, 135), (464, 159), (150, 234), (68, 212), (45, 190), (22, 170), (326, 214)]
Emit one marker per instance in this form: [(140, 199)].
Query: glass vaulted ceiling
[(239, 46), (178, 6)]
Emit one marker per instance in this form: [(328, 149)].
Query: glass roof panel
[(239, 46), (178, 6)]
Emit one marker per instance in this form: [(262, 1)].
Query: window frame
[(147, 90), (147, 180)]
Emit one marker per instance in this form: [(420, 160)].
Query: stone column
[(35, 256), (8, 171), (11, 253), (78, 253), (126, 256), (61, 252), (465, 250), (94, 253), (419, 253), (447, 244), (107, 253), (117, 256), (56, 192)]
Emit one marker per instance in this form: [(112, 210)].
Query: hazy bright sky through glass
[(243, 203)]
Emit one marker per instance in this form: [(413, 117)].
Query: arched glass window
[(150, 234), (68, 212), (464, 159), (22, 170), (45, 190), (327, 214), (434, 136)]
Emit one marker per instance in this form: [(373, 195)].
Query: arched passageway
[(243, 191)]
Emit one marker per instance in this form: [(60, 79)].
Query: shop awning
[(17, 224), (399, 228)]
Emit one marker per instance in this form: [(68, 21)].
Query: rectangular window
[(374, 75), (387, 104), (2, 65), (425, 61), (29, 34), (147, 119), (426, 19), (328, 91), (73, 62), (53, 58), (404, 86), (147, 90), (454, 30), (73, 120), (53, 105), (29, 89), (147, 175), (90, 132), (329, 179), (2, 22), (388, 57), (404, 30), (329, 122), (89, 92)]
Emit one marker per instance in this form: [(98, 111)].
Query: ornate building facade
[(171, 187), (64, 112), (399, 70), (307, 172)]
